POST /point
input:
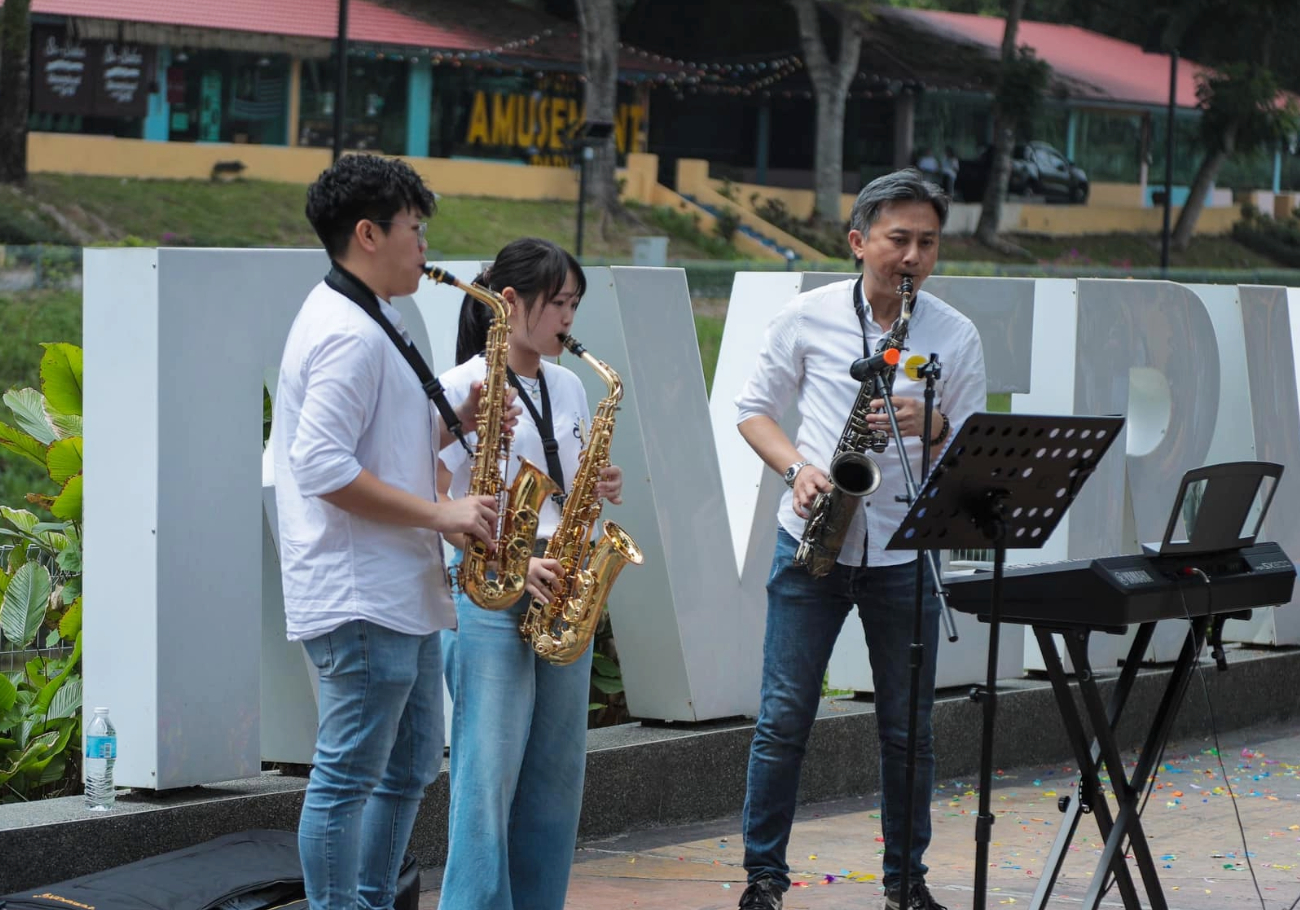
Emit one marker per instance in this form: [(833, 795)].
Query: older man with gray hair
[(894, 232)]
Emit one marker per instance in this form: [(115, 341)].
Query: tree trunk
[(995, 185), (599, 20), (15, 89), (831, 83), (1195, 204)]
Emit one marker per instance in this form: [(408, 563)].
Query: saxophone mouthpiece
[(574, 345), (905, 286), (439, 274)]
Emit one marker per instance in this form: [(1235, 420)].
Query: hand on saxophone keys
[(468, 410), (909, 412), (810, 481), (542, 575), (610, 485)]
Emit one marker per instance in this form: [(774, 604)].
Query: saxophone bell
[(854, 474)]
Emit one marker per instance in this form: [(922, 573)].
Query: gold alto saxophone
[(563, 629), (852, 473), (495, 581)]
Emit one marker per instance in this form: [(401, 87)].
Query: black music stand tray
[(1004, 482)]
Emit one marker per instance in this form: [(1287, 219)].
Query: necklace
[(532, 386)]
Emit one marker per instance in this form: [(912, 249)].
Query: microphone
[(912, 366), (866, 366)]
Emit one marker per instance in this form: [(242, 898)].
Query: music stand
[(1004, 482)]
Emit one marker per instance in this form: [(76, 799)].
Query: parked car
[(1037, 169)]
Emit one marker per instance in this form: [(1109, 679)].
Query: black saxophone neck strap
[(545, 428), (350, 286)]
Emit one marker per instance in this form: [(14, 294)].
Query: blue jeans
[(518, 758), (804, 616), (378, 747)]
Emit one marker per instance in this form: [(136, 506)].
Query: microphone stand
[(931, 371)]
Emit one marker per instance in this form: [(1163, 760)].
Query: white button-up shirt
[(805, 360), (348, 400)]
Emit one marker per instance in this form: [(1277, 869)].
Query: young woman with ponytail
[(519, 724)]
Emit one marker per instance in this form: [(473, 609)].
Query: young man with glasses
[(365, 590)]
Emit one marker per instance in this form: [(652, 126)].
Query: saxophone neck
[(486, 296), (613, 382)]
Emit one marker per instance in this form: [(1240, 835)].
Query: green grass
[(1109, 250), (257, 213), (708, 330), (253, 213)]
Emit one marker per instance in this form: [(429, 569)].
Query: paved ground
[(834, 852)]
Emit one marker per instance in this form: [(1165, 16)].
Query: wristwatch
[(793, 471)]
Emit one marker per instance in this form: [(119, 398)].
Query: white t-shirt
[(570, 417), (348, 400), (805, 358)]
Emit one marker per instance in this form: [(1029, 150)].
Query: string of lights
[(748, 78)]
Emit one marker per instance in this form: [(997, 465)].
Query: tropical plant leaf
[(66, 425), (17, 559), (37, 674), (8, 695), (24, 605), (21, 519), (42, 706), (595, 706), (29, 414), (607, 685), (54, 771), (67, 701), (69, 558), (33, 752), (604, 666), (63, 459), (70, 624), (21, 443), (71, 589), (6, 744), (61, 367), (68, 503)]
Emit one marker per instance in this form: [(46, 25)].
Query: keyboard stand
[(1102, 751)]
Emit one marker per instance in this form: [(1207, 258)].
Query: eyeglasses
[(421, 228)]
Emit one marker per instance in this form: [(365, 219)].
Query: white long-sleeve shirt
[(348, 400), (805, 359)]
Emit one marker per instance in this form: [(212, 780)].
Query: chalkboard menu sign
[(92, 78), (120, 89), (61, 73)]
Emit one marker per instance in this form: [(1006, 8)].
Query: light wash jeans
[(379, 746), (804, 616), (518, 757)]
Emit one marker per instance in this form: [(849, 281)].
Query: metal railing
[(39, 266)]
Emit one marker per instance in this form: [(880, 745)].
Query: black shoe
[(764, 894), (922, 899)]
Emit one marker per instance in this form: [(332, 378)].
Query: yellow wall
[(1121, 195), (1091, 219), (107, 156)]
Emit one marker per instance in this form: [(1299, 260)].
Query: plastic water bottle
[(101, 751)]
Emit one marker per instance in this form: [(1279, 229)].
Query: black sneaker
[(922, 899), (764, 894)]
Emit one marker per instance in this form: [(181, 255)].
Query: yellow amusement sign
[(539, 125)]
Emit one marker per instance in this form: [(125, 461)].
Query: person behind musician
[(519, 724), (365, 591), (895, 226)]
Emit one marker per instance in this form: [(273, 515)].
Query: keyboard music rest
[(1111, 593)]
